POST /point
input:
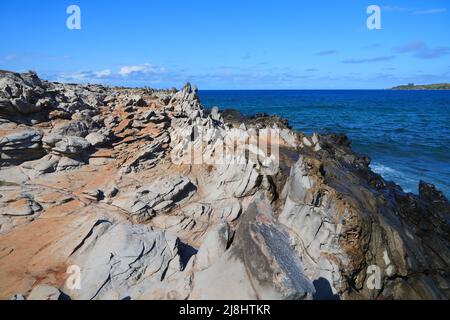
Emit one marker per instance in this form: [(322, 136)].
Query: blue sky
[(233, 44)]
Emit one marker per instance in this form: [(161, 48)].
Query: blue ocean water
[(405, 133)]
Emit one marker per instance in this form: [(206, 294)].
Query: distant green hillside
[(412, 86)]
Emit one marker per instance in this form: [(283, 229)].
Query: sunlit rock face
[(116, 193)]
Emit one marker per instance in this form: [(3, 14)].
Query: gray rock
[(20, 145), (71, 146), (307, 142), (239, 180), (49, 164), (50, 140), (215, 115), (111, 121), (315, 138), (148, 156), (25, 107), (73, 128), (96, 139), (289, 137), (18, 205), (17, 297), (186, 103), (19, 94), (44, 103), (116, 258), (94, 194), (66, 163), (23, 138), (148, 115), (45, 292), (341, 227), (46, 164), (260, 264), (227, 210), (13, 175), (160, 196), (214, 245)]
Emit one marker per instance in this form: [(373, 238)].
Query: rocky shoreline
[(93, 183)]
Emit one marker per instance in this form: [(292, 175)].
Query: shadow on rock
[(323, 290), (186, 252)]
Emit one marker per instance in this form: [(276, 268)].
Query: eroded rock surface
[(116, 193)]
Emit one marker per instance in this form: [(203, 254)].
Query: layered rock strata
[(116, 193)]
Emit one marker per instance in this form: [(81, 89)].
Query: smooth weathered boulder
[(45, 292), (214, 245), (18, 297), (239, 180), (227, 210), (96, 139), (114, 259), (69, 145), (160, 196), (16, 205), (19, 145), (260, 263)]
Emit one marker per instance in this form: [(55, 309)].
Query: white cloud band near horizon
[(145, 68)]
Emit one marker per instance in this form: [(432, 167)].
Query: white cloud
[(102, 74), (8, 58), (73, 77), (146, 69), (395, 9), (421, 50), (11, 57), (84, 76), (139, 74), (431, 11), (414, 10)]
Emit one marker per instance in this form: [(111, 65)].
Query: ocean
[(405, 133)]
